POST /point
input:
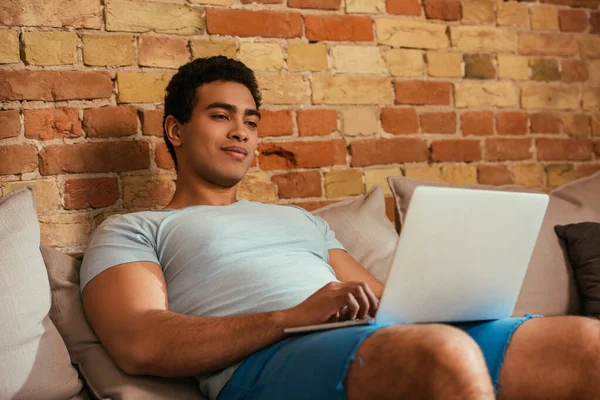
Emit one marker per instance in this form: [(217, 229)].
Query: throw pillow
[(34, 362), (549, 287), (362, 227), (104, 378), (582, 243)]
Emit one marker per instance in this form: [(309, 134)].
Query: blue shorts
[(314, 365)]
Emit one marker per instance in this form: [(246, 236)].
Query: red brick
[(314, 205), (438, 122), (507, 149), (403, 7), (494, 175), (52, 123), (388, 151), (577, 125), (595, 22), (90, 192), (221, 21), (298, 184), (399, 121), (584, 170), (573, 3), (320, 4), (313, 154), (574, 71), (456, 150), (10, 124), (110, 121), (597, 148), (572, 20), (95, 157), (545, 122), (479, 123), (152, 122), (447, 10), (316, 122), (512, 123), (54, 85), (162, 157), (423, 92), (17, 159), (275, 123), (564, 149), (338, 27)]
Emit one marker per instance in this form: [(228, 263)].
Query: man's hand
[(335, 301)]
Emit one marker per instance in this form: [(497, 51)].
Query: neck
[(197, 192)]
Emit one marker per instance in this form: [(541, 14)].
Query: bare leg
[(553, 358), (419, 362)]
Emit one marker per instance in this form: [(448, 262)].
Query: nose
[(238, 132)]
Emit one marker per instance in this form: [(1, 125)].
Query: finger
[(373, 300), (334, 318), (363, 301), (353, 306)]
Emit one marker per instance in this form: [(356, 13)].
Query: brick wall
[(355, 90)]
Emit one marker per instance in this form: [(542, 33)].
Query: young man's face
[(219, 141)]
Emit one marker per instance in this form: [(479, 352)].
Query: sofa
[(49, 351)]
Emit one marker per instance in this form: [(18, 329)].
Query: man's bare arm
[(127, 307), (347, 269)]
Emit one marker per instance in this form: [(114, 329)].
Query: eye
[(219, 116), (253, 124)]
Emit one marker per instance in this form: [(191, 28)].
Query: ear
[(173, 130)]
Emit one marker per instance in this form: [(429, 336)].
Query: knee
[(588, 348), (451, 351)]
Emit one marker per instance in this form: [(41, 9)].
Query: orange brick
[(52, 123), (573, 3), (399, 121), (438, 122), (293, 185), (547, 44), (423, 92), (447, 10), (545, 122), (54, 85), (17, 159), (10, 124), (456, 150), (163, 52), (388, 151), (596, 124), (162, 157), (316, 122), (494, 175), (313, 154), (403, 7), (90, 192), (512, 123), (572, 20), (320, 4), (222, 21), (338, 28), (564, 149), (479, 123), (595, 22), (275, 123), (507, 149), (262, 1), (152, 123), (110, 121), (95, 157), (574, 71)]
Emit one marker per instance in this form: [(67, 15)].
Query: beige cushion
[(549, 287), (362, 227), (34, 362), (104, 378)]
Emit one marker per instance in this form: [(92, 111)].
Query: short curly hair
[(181, 98)]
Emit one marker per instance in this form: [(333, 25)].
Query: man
[(206, 286)]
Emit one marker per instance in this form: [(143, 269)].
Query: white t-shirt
[(243, 258)]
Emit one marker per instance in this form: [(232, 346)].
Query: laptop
[(461, 256)]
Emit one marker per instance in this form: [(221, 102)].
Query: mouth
[(236, 152)]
